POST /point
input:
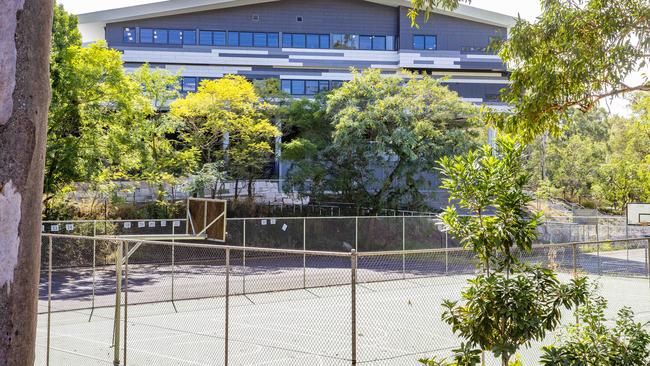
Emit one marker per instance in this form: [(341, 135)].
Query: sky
[(527, 9)]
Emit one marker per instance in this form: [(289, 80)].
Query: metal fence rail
[(342, 233), (104, 302)]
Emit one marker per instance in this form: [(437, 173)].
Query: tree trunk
[(25, 30)]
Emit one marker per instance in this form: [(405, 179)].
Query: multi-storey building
[(310, 45)]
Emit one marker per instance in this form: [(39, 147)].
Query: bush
[(591, 342)]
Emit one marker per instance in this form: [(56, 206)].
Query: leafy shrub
[(591, 342)]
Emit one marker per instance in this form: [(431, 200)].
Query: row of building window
[(272, 40), (308, 87), (261, 39), (189, 84)]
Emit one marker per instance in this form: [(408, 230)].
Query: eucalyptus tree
[(25, 33), (575, 54)]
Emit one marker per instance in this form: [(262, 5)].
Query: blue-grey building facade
[(310, 45)]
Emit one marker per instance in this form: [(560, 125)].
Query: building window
[(311, 87), (312, 41), (285, 85), (298, 41), (345, 41), (365, 42), (189, 37), (286, 39), (390, 43), (175, 36), (245, 39), (128, 35), (273, 39), (299, 19), (423, 42), (259, 40), (205, 38), (298, 87), (379, 43), (219, 39), (323, 85), (146, 35), (160, 36), (188, 84), (255, 18), (336, 84), (324, 41), (233, 39)]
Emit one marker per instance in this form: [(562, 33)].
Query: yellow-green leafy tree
[(225, 120)]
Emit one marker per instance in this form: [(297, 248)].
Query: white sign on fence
[(127, 225), (152, 224), (140, 223), (69, 227)]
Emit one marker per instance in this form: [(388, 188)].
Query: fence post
[(173, 264), (356, 231), (575, 260), (126, 295), (49, 298), (598, 255), (244, 257), (227, 305), (92, 309), (647, 259), (118, 304), (353, 286), (304, 256), (446, 252), (403, 247)]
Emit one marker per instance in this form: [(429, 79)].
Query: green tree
[(226, 121), (511, 303), (574, 55), (573, 165), (623, 174), (591, 342), (308, 132), (162, 158), (90, 131), (395, 126)]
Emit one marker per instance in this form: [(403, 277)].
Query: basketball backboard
[(207, 217), (638, 214)]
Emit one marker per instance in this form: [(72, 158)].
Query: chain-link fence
[(165, 303), (342, 233)]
